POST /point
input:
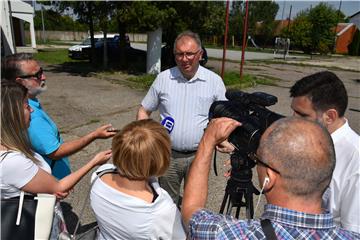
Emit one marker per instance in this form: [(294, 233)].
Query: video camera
[(249, 109)]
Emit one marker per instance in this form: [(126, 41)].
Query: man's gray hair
[(189, 34), (11, 65)]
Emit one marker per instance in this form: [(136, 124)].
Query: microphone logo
[(168, 123)]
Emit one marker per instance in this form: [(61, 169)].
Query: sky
[(347, 7)]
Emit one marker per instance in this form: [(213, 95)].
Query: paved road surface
[(230, 54)]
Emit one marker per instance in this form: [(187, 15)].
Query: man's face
[(187, 56), (32, 78), (303, 107)]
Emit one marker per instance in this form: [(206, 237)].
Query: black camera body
[(249, 109)]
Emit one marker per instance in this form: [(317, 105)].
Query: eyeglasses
[(188, 55), (257, 160), (36, 75)]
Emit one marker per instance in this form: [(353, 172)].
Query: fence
[(77, 36)]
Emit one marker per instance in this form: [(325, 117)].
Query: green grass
[(53, 56), (142, 81), (232, 80)]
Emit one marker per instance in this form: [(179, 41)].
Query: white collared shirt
[(186, 101), (345, 184)]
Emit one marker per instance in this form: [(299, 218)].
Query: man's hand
[(196, 187), (225, 147), (103, 131), (219, 130)]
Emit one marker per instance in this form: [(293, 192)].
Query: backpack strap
[(268, 229)]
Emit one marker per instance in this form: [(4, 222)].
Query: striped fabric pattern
[(288, 224), (186, 101)]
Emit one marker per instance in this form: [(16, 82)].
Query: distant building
[(13, 15), (344, 35)]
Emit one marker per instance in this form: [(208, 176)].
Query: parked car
[(83, 50)]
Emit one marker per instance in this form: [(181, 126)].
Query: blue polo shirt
[(45, 139)]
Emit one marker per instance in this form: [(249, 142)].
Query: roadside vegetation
[(139, 80)]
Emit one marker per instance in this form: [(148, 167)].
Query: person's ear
[(330, 116), (270, 179)]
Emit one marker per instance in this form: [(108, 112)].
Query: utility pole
[(43, 24), (337, 22), (244, 37), (225, 38)]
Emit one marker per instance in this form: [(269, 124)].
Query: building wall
[(343, 41), (78, 36)]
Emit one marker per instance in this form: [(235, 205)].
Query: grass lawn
[(60, 56), (53, 56)]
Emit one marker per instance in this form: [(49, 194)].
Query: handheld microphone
[(168, 123)]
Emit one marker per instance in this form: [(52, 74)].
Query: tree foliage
[(313, 29), (261, 18), (55, 21)]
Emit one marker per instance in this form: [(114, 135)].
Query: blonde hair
[(14, 135), (142, 149)]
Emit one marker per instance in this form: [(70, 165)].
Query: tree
[(313, 30), (260, 21), (264, 13), (55, 21), (300, 32)]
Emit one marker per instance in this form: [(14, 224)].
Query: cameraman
[(322, 97), (295, 164)]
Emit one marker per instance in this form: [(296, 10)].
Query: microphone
[(168, 123)]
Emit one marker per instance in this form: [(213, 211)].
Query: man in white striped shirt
[(183, 94)]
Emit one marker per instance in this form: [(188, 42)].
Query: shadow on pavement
[(135, 63)]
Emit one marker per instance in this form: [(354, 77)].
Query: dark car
[(83, 50)]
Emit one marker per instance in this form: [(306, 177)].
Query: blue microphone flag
[(168, 123)]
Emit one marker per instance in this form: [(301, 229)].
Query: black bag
[(23, 218), (9, 211)]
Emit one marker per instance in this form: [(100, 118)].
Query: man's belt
[(184, 152)]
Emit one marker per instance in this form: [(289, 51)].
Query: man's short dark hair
[(324, 89), (11, 65)]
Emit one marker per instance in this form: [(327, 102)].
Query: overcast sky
[(347, 7)]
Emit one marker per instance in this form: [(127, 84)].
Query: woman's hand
[(102, 157)]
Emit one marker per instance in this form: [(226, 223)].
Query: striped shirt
[(186, 101), (288, 224)]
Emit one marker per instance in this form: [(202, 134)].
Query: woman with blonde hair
[(21, 168), (128, 201)]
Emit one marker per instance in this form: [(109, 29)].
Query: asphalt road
[(231, 54)]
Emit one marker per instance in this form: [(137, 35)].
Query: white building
[(13, 15)]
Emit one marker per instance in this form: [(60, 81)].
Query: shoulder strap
[(4, 154), (98, 175), (268, 229)]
